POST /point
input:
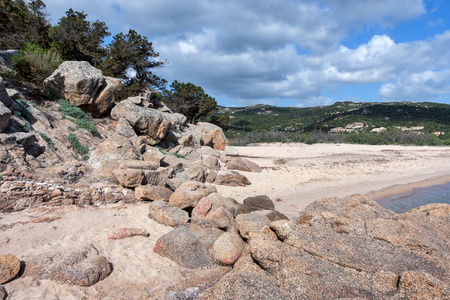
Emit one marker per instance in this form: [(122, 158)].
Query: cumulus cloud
[(264, 51)]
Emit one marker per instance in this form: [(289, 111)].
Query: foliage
[(34, 64), (189, 100), (263, 123), (131, 57), (23, 22), (1, 178), (78, 117), (82, 150), (48, 140), (178, 155), (160, 150), (220, 120), (78, 39)]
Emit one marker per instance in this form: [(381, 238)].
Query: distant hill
[(426, 118)]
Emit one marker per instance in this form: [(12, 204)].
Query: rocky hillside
[(85, 149)]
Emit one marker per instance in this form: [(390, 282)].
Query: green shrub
[(47, 140), (179, 155), (1, 177), (82, 150), (77, 116), (34, 64), (160, 149)]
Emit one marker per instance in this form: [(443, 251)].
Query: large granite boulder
[(181, 246), (144, 120), (232, 178), (84, 86), (80, 265), (207, 134), (348, 248), (242, 164), (108, 156), (189, 193), (163, 213)]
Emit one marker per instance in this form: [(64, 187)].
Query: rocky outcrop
[(84, 86), (81, 265), (144, 120), (108, 155), (342, 248), (207, 134), (260, 202), (189, 193), (152, 193)]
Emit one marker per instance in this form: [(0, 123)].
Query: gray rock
[(232, 178), (242, 164), (5, 116), (252, 222), (145, 121), (129, 178), (196, 282), (3, 293), (81, 265), (348, 248), (156, 177), (138, 164), (260, 202), (189, 193), (4, 97), (181, 246), (84, 86), (205, 233), (228, 248), (108, 154), (9, 267), (163, 213), (172, 163), (124, 128), (152, 193), (207, 134)]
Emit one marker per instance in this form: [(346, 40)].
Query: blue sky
[(291, 52)]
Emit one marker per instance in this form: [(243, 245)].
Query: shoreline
[(399, 189)]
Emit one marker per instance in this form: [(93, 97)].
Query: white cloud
[(263, 51)]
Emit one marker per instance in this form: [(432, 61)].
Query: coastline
[(295, 175), (399, 189)]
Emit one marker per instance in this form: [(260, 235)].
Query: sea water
[(417, 197)]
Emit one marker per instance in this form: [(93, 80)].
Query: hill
[(352, 119)]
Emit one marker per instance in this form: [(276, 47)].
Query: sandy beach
[(293, 175), (298, 174)]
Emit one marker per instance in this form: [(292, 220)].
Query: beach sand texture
[(293, 175)]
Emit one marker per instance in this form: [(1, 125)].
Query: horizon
[(290, 53)]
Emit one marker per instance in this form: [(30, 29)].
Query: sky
[(298, 53)]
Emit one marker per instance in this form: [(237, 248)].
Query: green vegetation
[(78, 117), (132, 52), (24, 25), (47, 140), (160, 150), (264, 123), (179, 155), (34, 64), (1, 177), (82, 150), (189, 100)]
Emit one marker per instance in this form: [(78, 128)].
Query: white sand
[(295, 174), (298, 174)]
